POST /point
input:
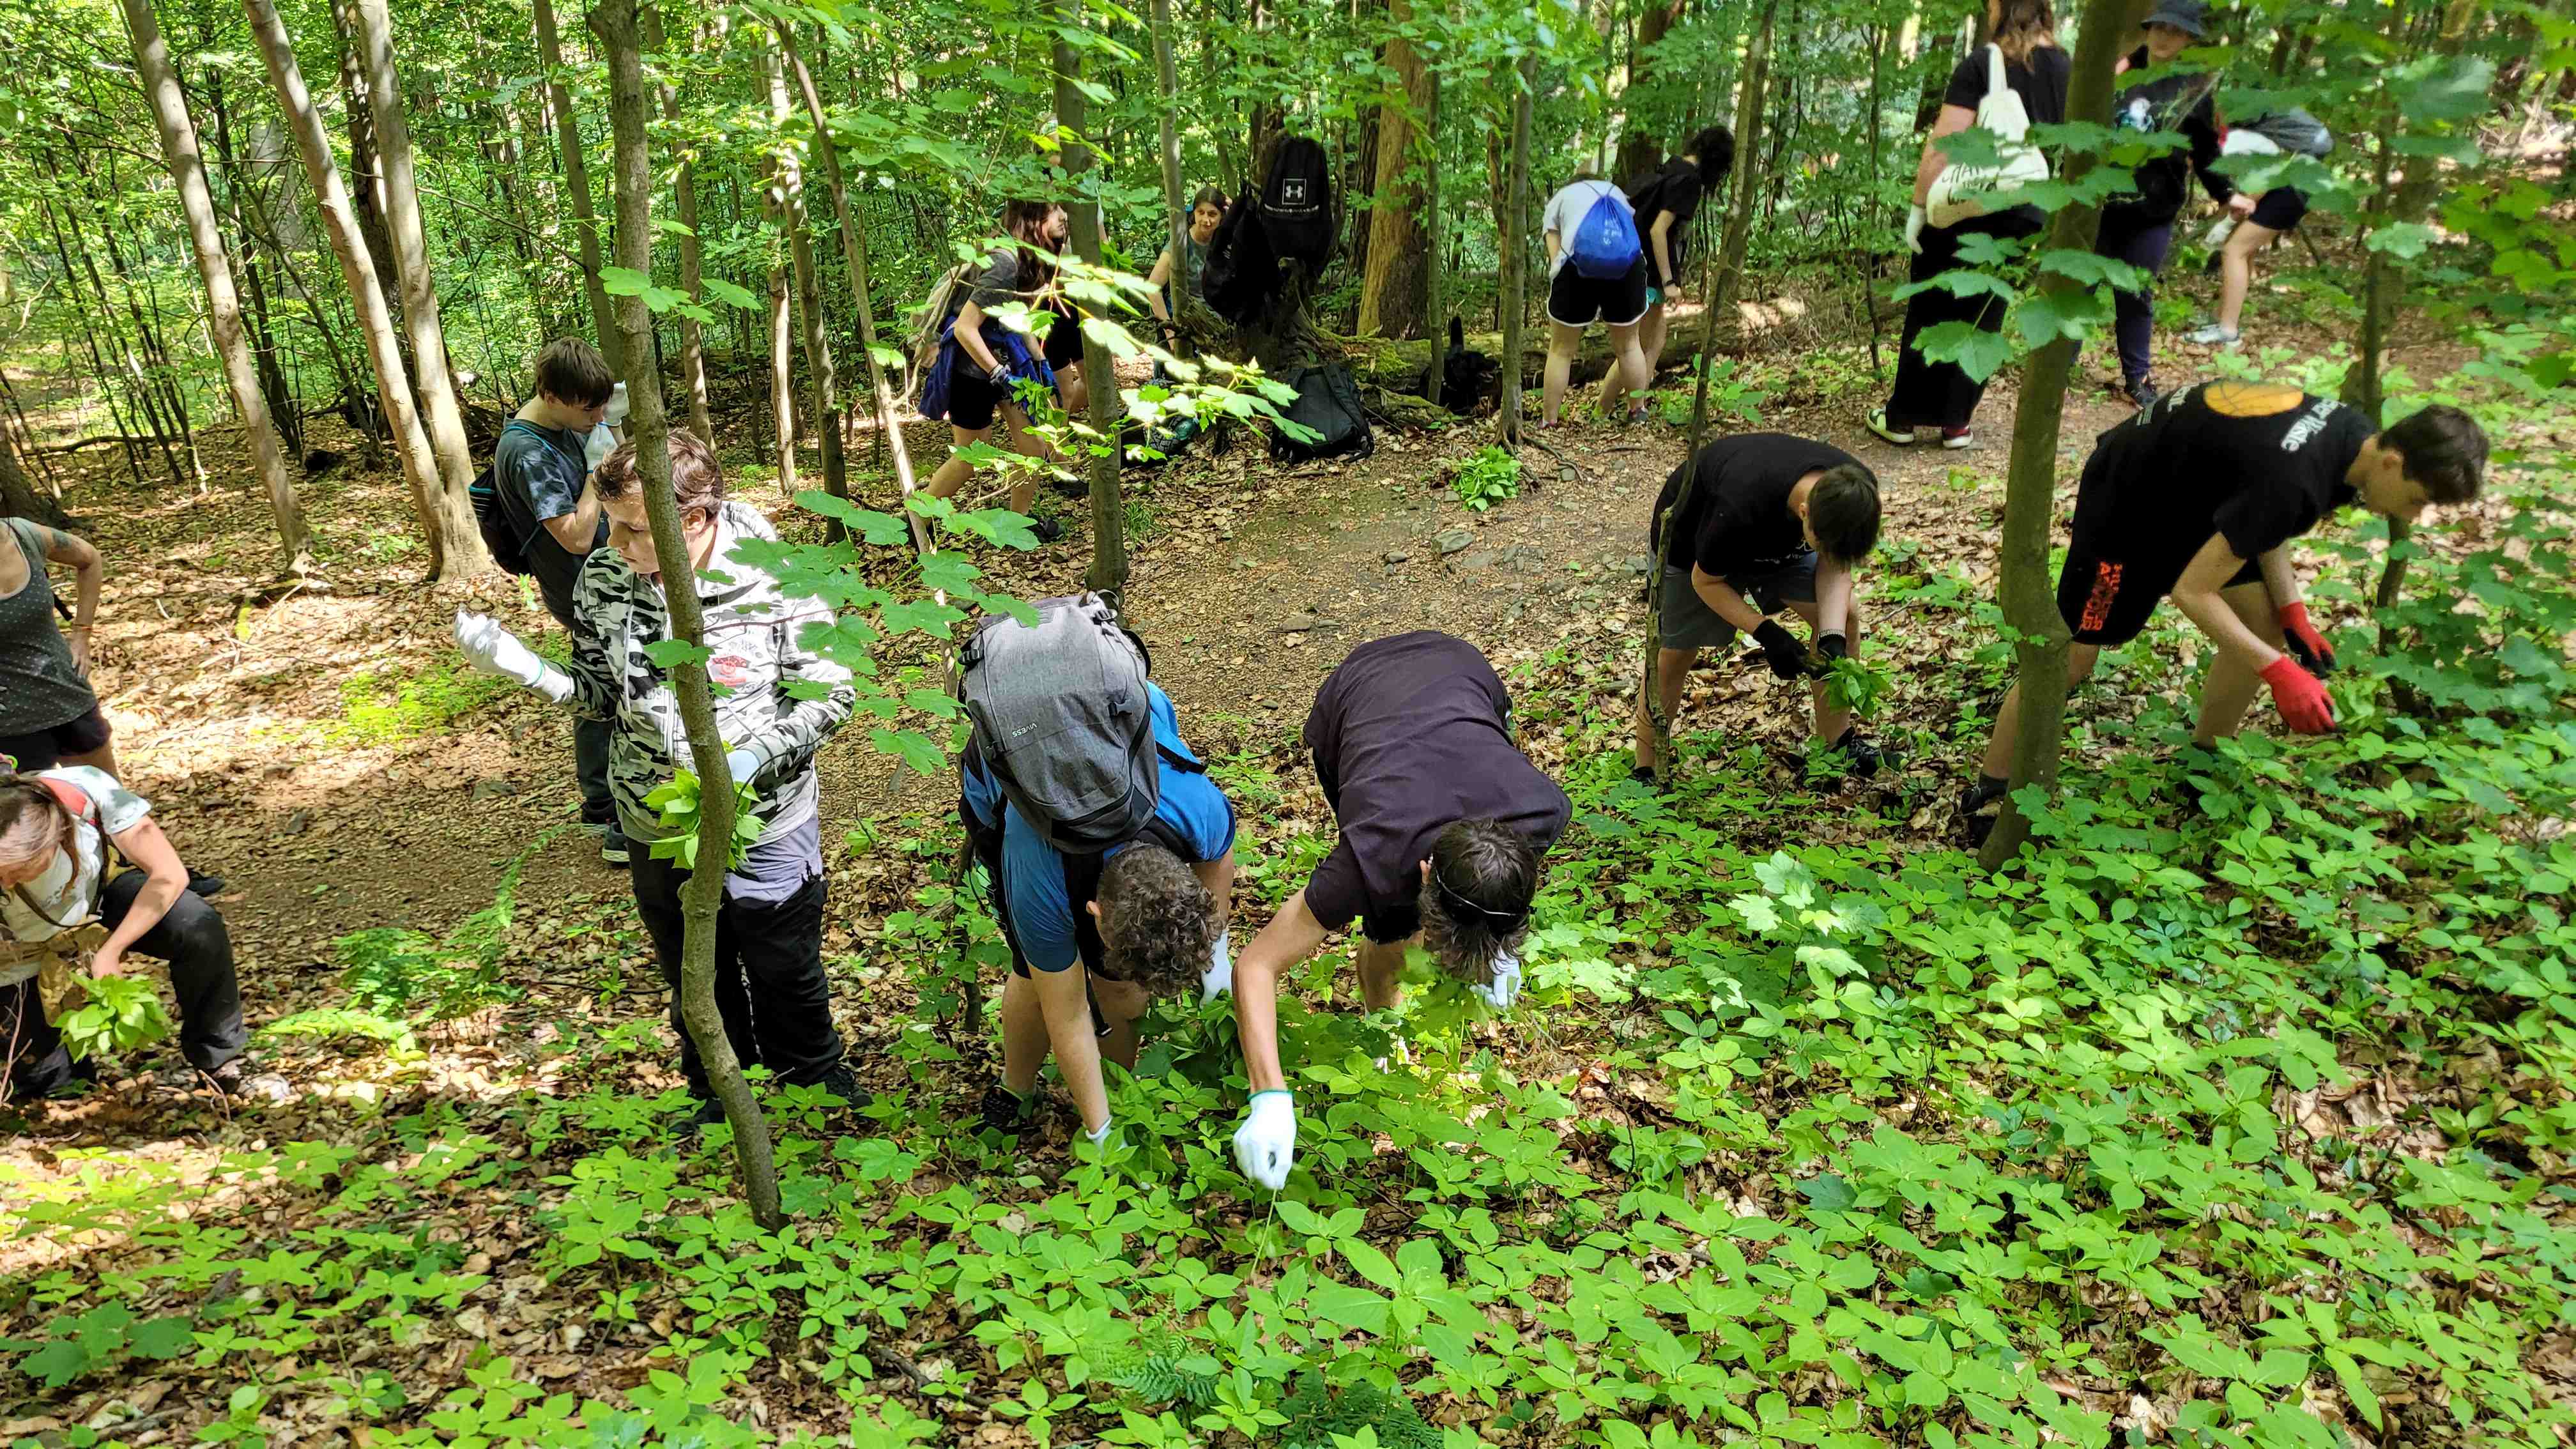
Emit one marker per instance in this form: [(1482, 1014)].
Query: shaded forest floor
[(322, 748)]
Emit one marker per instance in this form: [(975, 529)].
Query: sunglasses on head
[(1509, 918)]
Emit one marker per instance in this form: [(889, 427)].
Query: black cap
[(2191, 17)]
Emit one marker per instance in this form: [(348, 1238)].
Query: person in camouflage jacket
[(770, 982)]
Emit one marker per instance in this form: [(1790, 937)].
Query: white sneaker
[(1876, 422), (2213, 335), (1959, 440)]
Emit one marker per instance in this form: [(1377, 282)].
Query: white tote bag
[(1961, 192)]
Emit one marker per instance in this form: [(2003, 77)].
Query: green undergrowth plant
[(2237, 1116), (1488, 478)]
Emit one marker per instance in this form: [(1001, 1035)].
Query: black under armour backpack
[(1241, 272), (1297, 204)]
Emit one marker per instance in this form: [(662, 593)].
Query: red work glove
[(2305, 642), (2300, 698)]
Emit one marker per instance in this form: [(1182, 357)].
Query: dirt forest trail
[(269, 723)]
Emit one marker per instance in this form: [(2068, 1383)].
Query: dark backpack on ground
[(1466, 375), (1297, 204), (1063, 720), (1241, 271), (1328, 401), (508, 549)]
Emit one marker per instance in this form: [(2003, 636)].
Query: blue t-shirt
[(1042, 917)]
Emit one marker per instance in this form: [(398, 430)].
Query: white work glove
[(1219, 977), (742, 765), (1266, 1144), (1914, 219), (1505, 988), (1098, 1135), (495, 650)]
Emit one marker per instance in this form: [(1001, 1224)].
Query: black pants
[(2134, 325), (770, 986), (192, 938), (1932, 394)]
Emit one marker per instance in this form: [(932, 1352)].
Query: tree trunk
[(1393, 288), (782, 370), (1515, 208), (809, 300), (854, 249), (1435, 261), (1167, 81), (446, 425), (273, 388), (365, 161), (1639, 149), (223, 307), (19, 496), (585, 219), (693, 255), (2029, 596), (454, 545), (1749, 101), (1107, 575), (613, 21)]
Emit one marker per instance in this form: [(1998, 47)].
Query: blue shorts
[(1689, 623)]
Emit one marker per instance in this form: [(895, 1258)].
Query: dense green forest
[(2221, 1093)]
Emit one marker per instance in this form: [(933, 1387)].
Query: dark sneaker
[(236, 1081), (205, 887), (613, 847), (706, 1114), (1007, 1112), (2141, 392), (1981, 805), (841, 1084), (1047, 529), (1861, 758)]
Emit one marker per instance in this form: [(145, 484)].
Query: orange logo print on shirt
[(2249, 399)]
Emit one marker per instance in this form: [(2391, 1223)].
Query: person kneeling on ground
[(80, 853), (1772, 520), (770, 983), (1143, 920), (2198, 496), (1442, 822)]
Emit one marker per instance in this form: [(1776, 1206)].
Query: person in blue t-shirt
[(1143, 920)]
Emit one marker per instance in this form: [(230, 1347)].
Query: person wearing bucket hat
[(2137, 227)]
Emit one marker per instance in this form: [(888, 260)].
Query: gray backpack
[(1063, 720), (2294, 131)]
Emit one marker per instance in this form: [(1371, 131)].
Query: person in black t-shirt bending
[(2198, 496), (1773, 520), (1666, 200), (1442, 822)]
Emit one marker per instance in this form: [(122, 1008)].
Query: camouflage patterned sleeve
[(787, 750), (595, 685)]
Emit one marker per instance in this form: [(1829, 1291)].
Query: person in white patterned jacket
[(770, 981)]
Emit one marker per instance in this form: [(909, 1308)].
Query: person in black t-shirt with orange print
[(2198, 497), (1774, 522)]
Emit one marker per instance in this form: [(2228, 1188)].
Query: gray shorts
[(1689, 623)]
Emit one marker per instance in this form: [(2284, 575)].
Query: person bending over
[(1442, 823), (981, 362), (770, 984), (84, 866), (1583, 289), (2198, 497), (1140, 920), (1665, 201), (1772, 521)]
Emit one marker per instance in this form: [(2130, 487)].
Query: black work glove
[(1781, 650), (1831, 647)]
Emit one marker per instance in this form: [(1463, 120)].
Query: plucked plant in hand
[(123, 1013), (678, 802), (1854, 685)]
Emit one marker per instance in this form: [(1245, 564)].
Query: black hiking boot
[(1007, 1112), (1980, 806)]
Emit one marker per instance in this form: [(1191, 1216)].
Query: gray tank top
[(39, 689)]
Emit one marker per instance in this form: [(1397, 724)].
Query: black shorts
[(2279, 208), (1575, 300), (2107, 601), (45, 749), (1063, 342), (972, 398), (1392, 925)]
